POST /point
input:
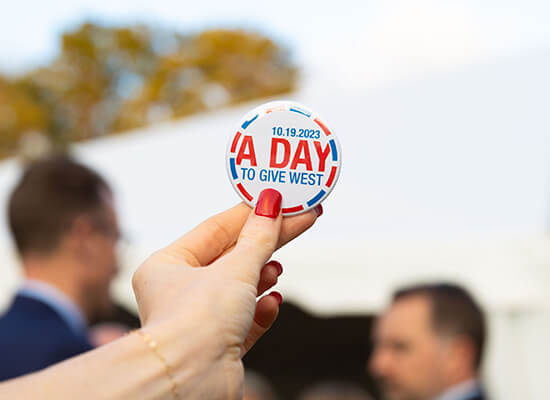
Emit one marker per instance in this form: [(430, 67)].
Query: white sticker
[(284, 146)]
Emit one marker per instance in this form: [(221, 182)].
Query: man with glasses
[(64, 225)]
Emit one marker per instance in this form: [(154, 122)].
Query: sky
[(355, 42)]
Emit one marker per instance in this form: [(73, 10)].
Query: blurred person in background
[(218, 273), (428, 345), (65, 228), (256, 387), (335, 391)]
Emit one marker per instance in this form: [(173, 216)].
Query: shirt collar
[(463, 391), (61, 303)]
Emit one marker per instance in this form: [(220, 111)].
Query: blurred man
[(65, 228), (428, 345)]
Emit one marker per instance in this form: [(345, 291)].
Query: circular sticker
[(284, 146)]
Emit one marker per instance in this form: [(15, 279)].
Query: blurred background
[(441, 108)]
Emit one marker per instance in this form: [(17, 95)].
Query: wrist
[(193, 358)]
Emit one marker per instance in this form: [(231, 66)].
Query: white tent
[(446, 177)]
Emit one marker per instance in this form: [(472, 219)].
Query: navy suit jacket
[(34, 336)]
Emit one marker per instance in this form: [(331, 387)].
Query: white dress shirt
[(463, 391)]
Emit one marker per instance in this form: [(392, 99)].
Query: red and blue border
[(334, 168)]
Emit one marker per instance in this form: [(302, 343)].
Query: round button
[(284, 146)]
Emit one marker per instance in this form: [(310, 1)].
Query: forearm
[(128, 368)]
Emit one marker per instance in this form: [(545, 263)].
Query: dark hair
[(51, 193), (454, 312)]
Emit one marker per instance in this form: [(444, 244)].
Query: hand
[(219, 301)]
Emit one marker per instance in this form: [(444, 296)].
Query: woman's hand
[(208, 282)]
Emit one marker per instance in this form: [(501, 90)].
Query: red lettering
[(244, 155), (306, 159), (323, 154), (274, 147)]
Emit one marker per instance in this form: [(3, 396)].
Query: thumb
[(258, 239)]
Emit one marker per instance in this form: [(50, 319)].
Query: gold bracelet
[(154, 348)]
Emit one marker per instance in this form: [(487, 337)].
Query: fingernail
[(319, 210), (269, 203), (277, 265), (278, 296)]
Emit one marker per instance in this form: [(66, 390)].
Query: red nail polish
[(277, 265), (269, 203), (319, 210), (277, 296)]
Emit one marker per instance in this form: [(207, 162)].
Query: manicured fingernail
[(277, 265), (278, 296), (269, 203), (319, 210)]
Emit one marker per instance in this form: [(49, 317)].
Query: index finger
[(211, 238)]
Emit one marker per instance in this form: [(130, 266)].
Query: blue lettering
[(263, 175), (302, 178), (248, 173), (294, 177), (267, 175)]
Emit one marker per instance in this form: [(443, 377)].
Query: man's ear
[(78, 237), (461, 356)]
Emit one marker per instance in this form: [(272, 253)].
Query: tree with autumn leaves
[(107, 80)]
